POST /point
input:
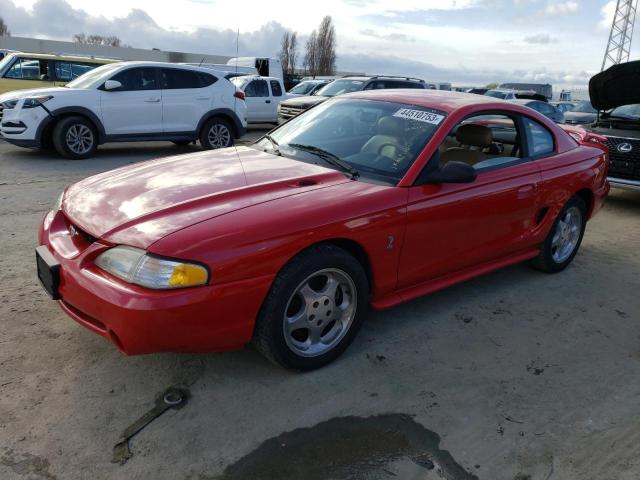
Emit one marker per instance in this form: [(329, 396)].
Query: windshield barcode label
[(419, 116)]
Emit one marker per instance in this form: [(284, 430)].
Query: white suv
[(126, 102)]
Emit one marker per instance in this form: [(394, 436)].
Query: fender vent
[(307, 183)]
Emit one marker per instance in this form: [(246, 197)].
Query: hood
[(139, 204), (579, 117), (305, 101), (616, 86), (16, 94)]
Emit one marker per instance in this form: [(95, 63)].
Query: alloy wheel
[(320, 312), (79, 139), (219, 136), (567, 235)]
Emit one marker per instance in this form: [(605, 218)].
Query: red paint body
[(246, 213)]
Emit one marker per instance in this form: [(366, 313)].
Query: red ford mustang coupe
[(372, 198)]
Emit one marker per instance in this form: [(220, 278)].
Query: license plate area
[(48, 271)]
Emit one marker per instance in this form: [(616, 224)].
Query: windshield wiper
[(328, 157), (274, 144)]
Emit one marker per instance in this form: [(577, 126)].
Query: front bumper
[(139, 320), (21, 126), (624, 183)]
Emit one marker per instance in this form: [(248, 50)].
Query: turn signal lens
[(185, 275), (136, 266)]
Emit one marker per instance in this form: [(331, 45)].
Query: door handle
[(202, 98), (152, 100), (267, 101)]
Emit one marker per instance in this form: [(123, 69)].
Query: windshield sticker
[(356, 82), (419, 115)]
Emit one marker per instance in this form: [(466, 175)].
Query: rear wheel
[(564, 239), (216, 133), (314, 309), (75, 138)]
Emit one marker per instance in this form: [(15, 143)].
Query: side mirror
[(453, 172), (112, 85)]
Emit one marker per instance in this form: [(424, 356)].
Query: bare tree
[(311, 55), (4, 29), (111, 41), (293, 52), (288, 52), (326, 47), (284, 52)]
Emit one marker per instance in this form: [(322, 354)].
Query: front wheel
[(216, 133), (314, 309), (75, 138), (564, 239)]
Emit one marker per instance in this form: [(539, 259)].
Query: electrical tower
[(619, 45)]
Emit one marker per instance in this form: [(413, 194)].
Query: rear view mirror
[(453, 172), (112, 85)]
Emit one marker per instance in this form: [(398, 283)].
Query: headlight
[(136, 266), (9, 104), (31, 102)]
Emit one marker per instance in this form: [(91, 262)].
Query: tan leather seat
[(388, 139), (473, 139)]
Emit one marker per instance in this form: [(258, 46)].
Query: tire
[(328, 321), (75, 138), (564, 239), (216, 133), (181, 143)]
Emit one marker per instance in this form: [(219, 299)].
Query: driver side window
[(484, 141)]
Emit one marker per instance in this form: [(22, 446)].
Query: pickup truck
[(262, 97)]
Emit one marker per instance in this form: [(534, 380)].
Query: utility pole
[(619, 45)]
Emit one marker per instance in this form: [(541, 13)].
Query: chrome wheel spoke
[(566, 235), (323, 311), (79, 139)]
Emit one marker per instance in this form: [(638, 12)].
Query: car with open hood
[(615, 93), (369, 199)]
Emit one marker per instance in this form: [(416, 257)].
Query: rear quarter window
[(540, 139)]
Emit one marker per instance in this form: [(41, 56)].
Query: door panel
[(128, 113), (258, 101), (137, 107), (451, 227), (184, 101)]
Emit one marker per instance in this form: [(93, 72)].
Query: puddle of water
[(379, 447)]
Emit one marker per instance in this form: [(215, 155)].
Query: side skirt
[(401, 296)]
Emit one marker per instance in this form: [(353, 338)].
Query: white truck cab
[(262, 97)]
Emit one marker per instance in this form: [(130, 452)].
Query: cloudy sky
[(462, 41)]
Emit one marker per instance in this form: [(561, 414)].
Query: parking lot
[(515, 375)]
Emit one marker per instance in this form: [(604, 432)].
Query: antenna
[(237, 48), (201, 61)]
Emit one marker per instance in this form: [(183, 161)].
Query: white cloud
[(541, 39), (561, 8), (607, 12)]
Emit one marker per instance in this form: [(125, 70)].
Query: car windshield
[(302, 88), (626, 111), (93, 76), (338, 87), (584, 107), (496, 94), (378, 139), (4, 63)]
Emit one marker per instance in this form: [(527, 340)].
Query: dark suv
[(616, 93), (295, 106)]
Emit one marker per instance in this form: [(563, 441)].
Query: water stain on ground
[(349, 448)]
